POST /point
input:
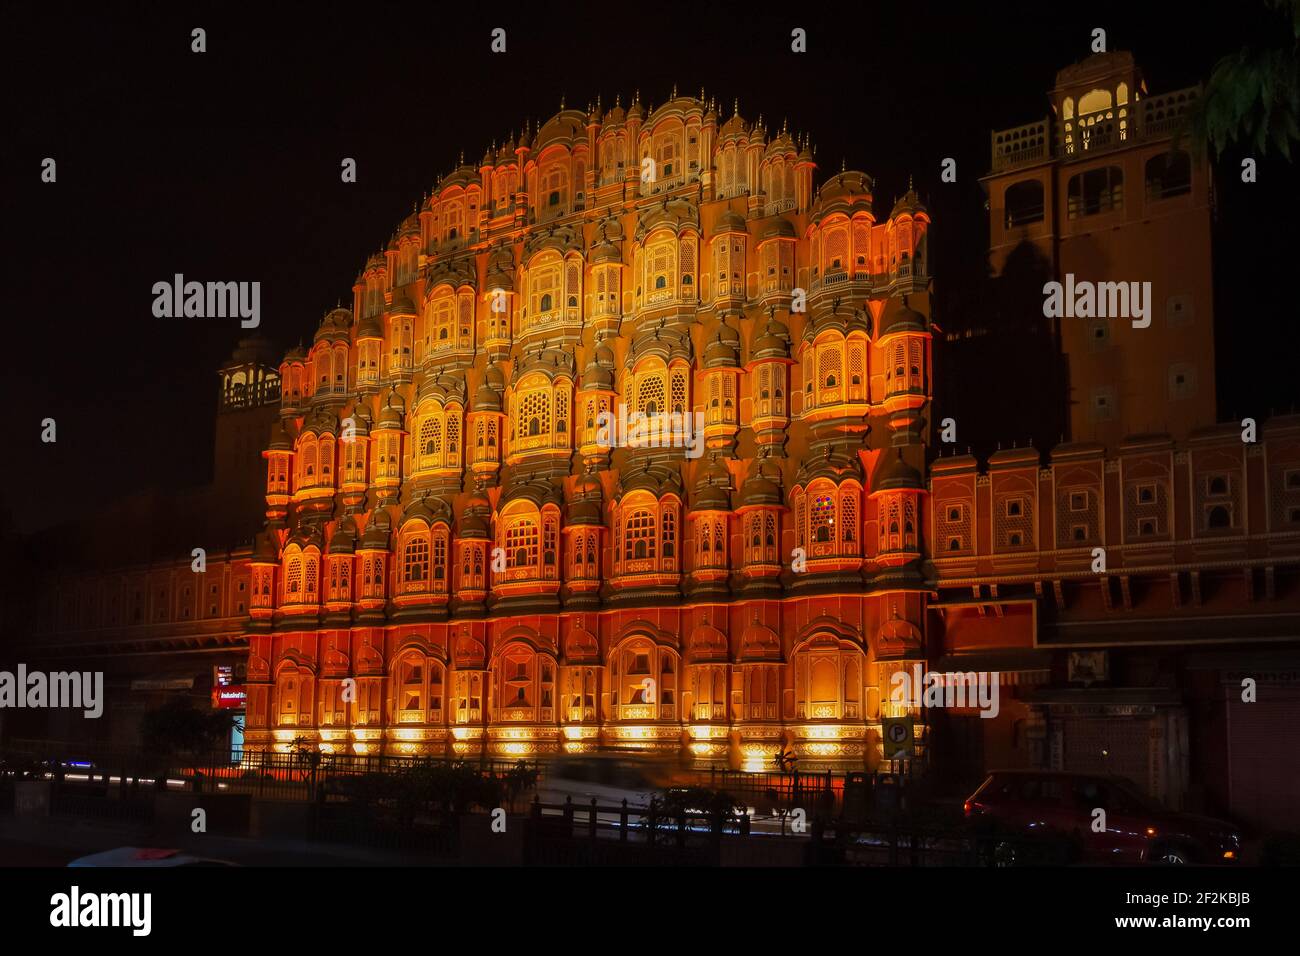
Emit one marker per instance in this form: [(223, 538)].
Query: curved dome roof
[(899, 317), (402, 305), (713, 488), (896, 473), (730, 221)]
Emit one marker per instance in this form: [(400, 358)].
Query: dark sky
[(226, 166)]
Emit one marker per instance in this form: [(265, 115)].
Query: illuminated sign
[(229, 697)]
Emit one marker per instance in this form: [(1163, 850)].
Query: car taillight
[(1151, 831), (1229, 854), (971, 807)]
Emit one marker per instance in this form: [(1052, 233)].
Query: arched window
[(1024, 203), (293, 589), (533, 413), (544, 288), (643, 677), (1095, 191), (521, 539), (1169, 174), (419, 682), (415, 560)]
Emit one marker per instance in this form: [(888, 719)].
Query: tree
[(1253, 95), (178, 727)]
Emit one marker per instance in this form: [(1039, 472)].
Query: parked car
[(1033, 809), (134, 856)]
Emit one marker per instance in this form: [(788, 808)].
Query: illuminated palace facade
[(455, 562)]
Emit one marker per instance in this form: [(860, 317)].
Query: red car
[(1034, 810)]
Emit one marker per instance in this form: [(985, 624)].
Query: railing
[(1151, 118), (1021, 144)]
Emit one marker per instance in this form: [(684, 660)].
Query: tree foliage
[(1253, 95), (178, 727)]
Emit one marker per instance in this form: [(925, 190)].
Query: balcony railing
[(1155, 117)]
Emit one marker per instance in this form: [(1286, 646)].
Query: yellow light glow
[(824, 733)]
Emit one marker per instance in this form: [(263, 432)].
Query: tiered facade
[(456, 562)]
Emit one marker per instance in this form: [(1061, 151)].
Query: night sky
[(225, 166)]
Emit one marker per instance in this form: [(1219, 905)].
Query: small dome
[(401, 305), (910, 204), (487, 399), (280, 440), (780, 229), (370, 328), (730, 221), (597, 377), (898, 317), (713, 487), (606, 251), (720, 353), (392, 412), (375, 537), (265, 550), (584, 511), (897, 473), (344, 539), (772, 341), (758, 489), (473, 525)]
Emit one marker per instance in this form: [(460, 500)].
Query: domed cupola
[(388, 432), (721, 352), (584, 508), (264, 567), (758, 520), (372, 565), (354, 435), (827, 500), (712, 487), (710, 518), (279, 468), (393, 411), (295, 385), (375, 536), (772, 340), (584, 531), (596, 411), (907, 234), (485, 429), (720, 381), (401, 305), (904, 343), (344, 539), (486, 398), (897, 489)]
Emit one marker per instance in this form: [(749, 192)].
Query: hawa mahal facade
[(456, 563), (453, 562)]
